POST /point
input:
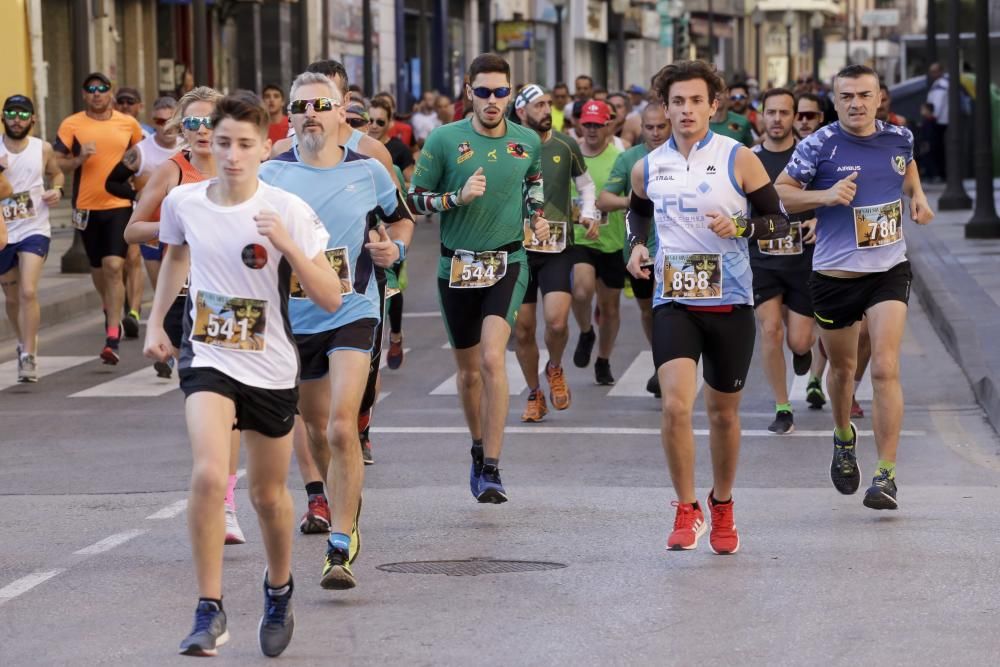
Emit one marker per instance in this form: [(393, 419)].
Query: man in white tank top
[(26, 221)]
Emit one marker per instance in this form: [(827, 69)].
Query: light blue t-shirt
[(342, 196), (866, 236)]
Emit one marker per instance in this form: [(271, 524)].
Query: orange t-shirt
[(112, 137)]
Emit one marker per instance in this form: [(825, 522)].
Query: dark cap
[(96, 75), (126, 91), (19, 102)]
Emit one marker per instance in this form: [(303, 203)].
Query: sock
[(134, 313), (533, 391), (314, 489), (719, 502), (230, 489), (279, 591), (113, 332), (340, 541), (491, 462), (216, 602), (844, 435), (696, 505), (887, 466), (782, 407), (599, 360)]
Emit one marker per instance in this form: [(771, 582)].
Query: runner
[(90, 143), (274, 101), (335, 349), (139, 163), (550, 265), (728, 123), (614, 197), (239, 236), (854, 173), (598, 266), (781, 269), (469, 171), (703, 286), (29, 163), (129, 102)]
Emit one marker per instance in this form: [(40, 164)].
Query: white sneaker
[(234, 535), (27, 370)]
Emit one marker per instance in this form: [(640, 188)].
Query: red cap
[(595, 111)]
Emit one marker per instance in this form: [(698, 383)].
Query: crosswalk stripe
[(142, 382), (799, 384), (46, 366), (611, 431), (515, 378), (633, 382)]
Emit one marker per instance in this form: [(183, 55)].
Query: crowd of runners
[(275, 230)]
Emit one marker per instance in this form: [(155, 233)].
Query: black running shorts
[(270, 412), (840, 302), (642, 288), (609, 266), (792, 286), (549, 273), (465, 309), (105, 234)]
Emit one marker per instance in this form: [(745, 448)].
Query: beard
[(15, 134), (312, 142), (543, 124), (485, 122)]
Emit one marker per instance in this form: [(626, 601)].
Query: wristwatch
[(402, 249)]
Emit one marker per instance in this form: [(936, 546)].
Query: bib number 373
[(692, 276), (878, 225)]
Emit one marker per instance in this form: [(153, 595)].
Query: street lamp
[(984, 223), (789, 22), (954, 196), (559, 6), (757, 18), (816, 23)]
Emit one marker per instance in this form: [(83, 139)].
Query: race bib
[(556, 242), (391, 292), (340, 262), (692, 276), (879, 225), (789, 245), (19, 206), (230, 322), (477, 269), (80, 218), (575, 211)]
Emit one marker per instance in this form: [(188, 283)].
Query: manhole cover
[(469, 567)]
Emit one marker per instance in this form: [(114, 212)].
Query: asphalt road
[(95, 564)]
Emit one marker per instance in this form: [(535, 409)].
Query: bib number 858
[(470, 272), (687, 281), (224, 327)]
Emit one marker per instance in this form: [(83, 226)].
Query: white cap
[(528, 94)]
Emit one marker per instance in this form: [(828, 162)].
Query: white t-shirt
[(423, 124), (152, 154), (237, 306)]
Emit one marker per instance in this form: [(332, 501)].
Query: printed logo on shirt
[(557, 158), (254, 256), (710, 170), (492, 155), (517, 150), (849, 167), (833, 152), (464, 152), (899, 164)]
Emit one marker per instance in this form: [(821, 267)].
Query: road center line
[(597, 430), (25, 584), (109, 543), (170, 511)]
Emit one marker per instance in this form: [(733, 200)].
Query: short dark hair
[(775, 92), (330, 68), (585, 76), (739, 84), (272, 86), (486, 63), (856, 72), (688, 70), (243, 106), (380, 102), (811, 97), (883, 86), (561, 84)]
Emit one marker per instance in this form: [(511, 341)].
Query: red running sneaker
[(856, 411), (395, 357), (317, 517), (689, 525), (723, 539)]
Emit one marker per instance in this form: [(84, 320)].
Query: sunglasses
[(380, 122), (99, 88), (807, 115), (127, 101), (13, 114), (192, 123), (160, 122), (484, 93), (737, 98), (318, 105), (358, 122)]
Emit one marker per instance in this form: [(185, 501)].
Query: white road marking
[(25, 584), (385, 352), (46, 366), (170, 511), (142, 382), (425, 313), (599, 430), (109, 543), (799, 384), (633, 382), (515, 378), (382, 395)]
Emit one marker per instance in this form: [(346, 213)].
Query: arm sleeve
[(424, 195), (770, 220), (533, 187), (588, 196), (118, 184), (171, 226), (637, 219)]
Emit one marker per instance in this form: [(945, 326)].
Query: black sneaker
[(163, 369), (881, 495), (366, 452), (653, 386), (844, 470), (801, 363), (490, 487), (814, 394), (337, 575), (783, 423), (276, 625), (209, 632), (602, 372), (130, 326), (584, 346)]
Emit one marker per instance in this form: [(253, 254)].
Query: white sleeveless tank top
[(152, 155), (24, 211)]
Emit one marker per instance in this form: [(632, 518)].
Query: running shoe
[(559, 392), (234, 535), (209, 632), (881, 495), (364, 420), (783, 423), (856, 411), (814, 394), (109, 355), (490, 487), (536, 410), (395, 357), (844, 470), (355, 535), (17, 355), (164, 369), (723, 539), (653, 386), (130, 325), (274, 632), (476, 471), (689, 525), (366, 451), (337, 575), (27, 369), (584, 346), (317, 517), (801, 363), (602, 372)]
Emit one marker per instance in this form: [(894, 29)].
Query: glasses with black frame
[(96, 88), (14, 114)]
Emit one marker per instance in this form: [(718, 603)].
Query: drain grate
[(470, 567)]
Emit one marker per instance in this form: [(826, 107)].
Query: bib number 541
[(225, 327)]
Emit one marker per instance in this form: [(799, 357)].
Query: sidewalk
[(958, 282)]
